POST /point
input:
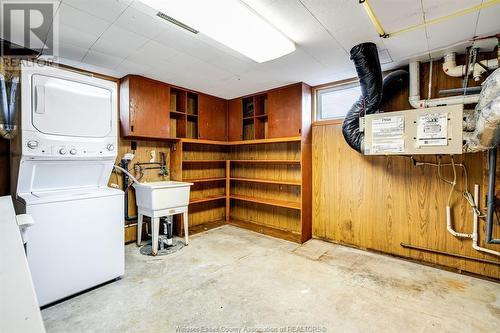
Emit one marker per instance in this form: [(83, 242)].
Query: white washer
[(62, 161)]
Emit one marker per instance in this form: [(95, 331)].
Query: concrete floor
[(232, 278)]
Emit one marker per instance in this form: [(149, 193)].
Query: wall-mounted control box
[(435, 130)]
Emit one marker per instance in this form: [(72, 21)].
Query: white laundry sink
[(157, 196)]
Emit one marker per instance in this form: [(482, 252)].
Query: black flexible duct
[(374, 91), (365, 58), (393, 83)]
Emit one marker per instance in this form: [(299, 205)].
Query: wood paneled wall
[(380, 202)]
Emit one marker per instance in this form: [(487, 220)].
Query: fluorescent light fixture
[(230, 22)]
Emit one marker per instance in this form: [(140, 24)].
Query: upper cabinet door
[(235, 120), (212, 118), (285, 111), (147, 106)]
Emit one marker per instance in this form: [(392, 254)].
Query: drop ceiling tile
[(190, 67), (451, 32), (140, 23), (438, 8), (407, 44), (232, 64), (198, 46), (70, 35), (118, 42), (130, 67), (143, 8), (103, 60), (107, 10), (81, 21), (346, 20), (397, 14), (489, 21), (72, 52), (152, 53)]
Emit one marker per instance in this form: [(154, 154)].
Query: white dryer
[(62, 161)]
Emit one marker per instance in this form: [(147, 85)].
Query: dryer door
[(70, 108)]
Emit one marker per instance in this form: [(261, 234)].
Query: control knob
[(62, 151), (72, 151), (32, 144), (110, 147)]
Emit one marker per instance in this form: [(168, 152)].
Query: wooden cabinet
[(144, 108), (212, 114), (235, 120), (285, 111), (278, 113)]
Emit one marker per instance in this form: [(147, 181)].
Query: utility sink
[(157, 196)]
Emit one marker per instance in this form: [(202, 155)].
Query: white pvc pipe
[(450, 228), (475, 245), (418, 103), (450, 67)]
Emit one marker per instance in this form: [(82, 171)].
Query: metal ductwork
[(374, 91), (486, 134)]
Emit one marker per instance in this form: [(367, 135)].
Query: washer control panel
[(42, 148)]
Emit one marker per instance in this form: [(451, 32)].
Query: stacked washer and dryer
[(61, 163)]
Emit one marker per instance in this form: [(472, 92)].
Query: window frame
[(344, 84)]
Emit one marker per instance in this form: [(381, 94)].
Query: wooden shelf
[(248, 118), (270, 202), (192, 115), (206, 199), (203, 161), (177, 113), (264, 141), (267, 161), (244, 142), (245, 161), (204, 180), (261, 116), (267, 181)]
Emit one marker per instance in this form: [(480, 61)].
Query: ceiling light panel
[(229, 22)]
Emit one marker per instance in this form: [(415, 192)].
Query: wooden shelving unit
[(258, 176), (258, 183)]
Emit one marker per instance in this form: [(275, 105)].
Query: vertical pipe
[(492, 167)]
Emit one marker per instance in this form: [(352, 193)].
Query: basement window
[(333, 102)]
